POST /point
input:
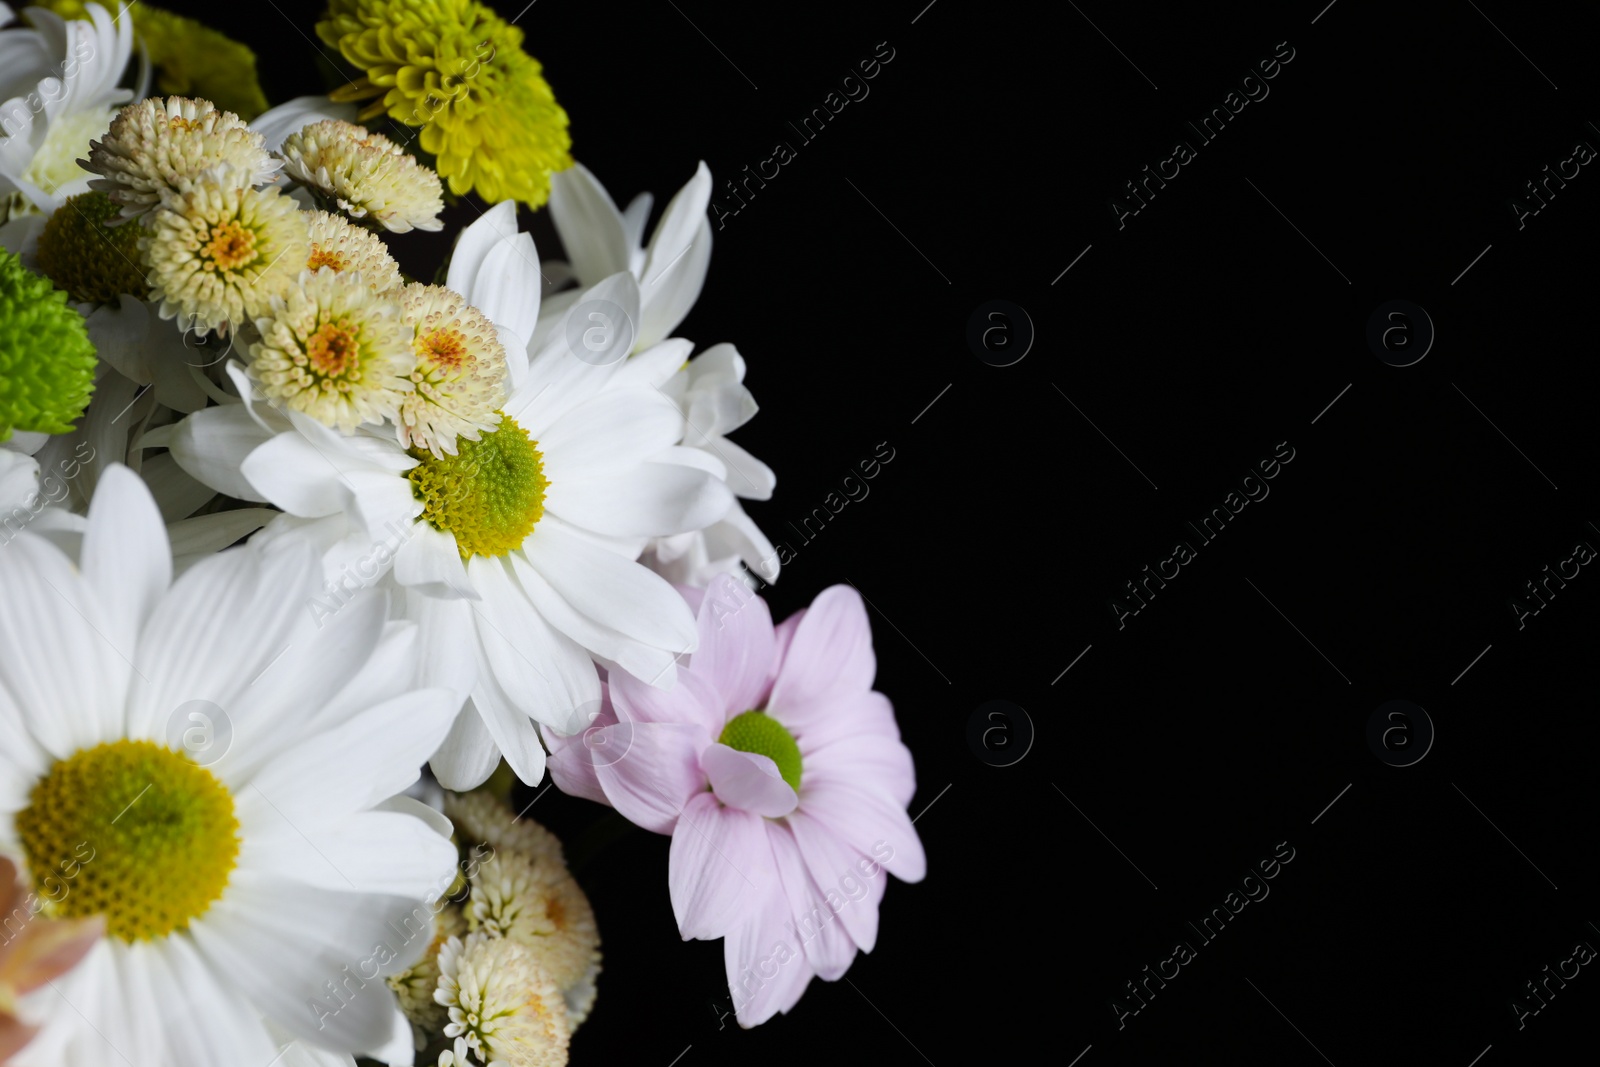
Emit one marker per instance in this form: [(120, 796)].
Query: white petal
[(679, 255), (62, 701), (430, 563), (589, 223), (212, 445), (278, 123), (650, 500), (560, 376), (610, 433), (126, 560), (536, 670), (468, 755), (359, 764), (612, 591)]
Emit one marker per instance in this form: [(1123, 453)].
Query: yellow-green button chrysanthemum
[(458, 71), (46, 359), (86, 257)]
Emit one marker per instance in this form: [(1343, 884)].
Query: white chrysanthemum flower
[(507, 898), (415, 987), (59, 84), (366, 174), (715, 402), (333, 349), (600, 241), (480, 817), (338, 245), (459, 375), (216, 772), (671, 270), (218, 251), (503, 1006), (156, 145), (518, 554)]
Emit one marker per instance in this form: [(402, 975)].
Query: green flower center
[(489, 495), (87, 258), (132, 831), (760, 733)]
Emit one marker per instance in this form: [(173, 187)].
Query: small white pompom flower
[(334, 349), (154, 145), (218, 251), (366, 174), (503, 1007), (338, 245), (459, 374)]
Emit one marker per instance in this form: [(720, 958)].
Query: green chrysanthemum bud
[(87, 258), (46, 359)]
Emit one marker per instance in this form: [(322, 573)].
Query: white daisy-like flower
[(460, 371), (671, 270), (245, 841), (217, 251), (59, 84), (600, 241), (366, 174), (715, 402), (334, 349), (155, 146), (518, 555), (338, 245), (503, 1007)]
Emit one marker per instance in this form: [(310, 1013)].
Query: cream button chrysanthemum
[(339, 246), (334, 349), (540, 907), (503, 1006), (218, 251), (154, 145), (366, 174), (479, 816), (460, 369)]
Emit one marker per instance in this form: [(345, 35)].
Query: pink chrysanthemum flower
[(782, 779)]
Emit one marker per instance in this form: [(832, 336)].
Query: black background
[(1226, 716)]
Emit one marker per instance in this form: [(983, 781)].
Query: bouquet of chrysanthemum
[(296, 551)]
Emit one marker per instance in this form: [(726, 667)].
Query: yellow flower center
[(178, 122), (326, 257), (489, 495), (231, 247), (333, 350), (444, 348), (133, 831)]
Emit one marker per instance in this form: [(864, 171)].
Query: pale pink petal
[(767, 969), (816, 924), (656, 770), (868, 820), (868, 759), (691, 701), (831, 863), (737, 649), (573, 759), (829, 657), (849, 717), (748, 781), (717, 860)]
